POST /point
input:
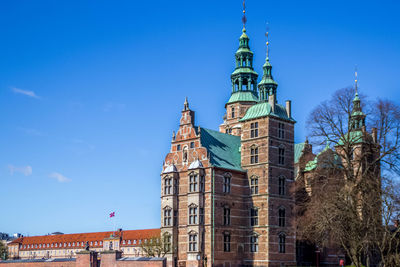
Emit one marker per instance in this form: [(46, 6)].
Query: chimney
[(375, 134), (272, 101), (289, 108)]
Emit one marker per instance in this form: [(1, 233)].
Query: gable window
[(167, 186), (227, 184), (233, 112), (193, 182), (167, 242), (281, 130), (281, 155), (254, 185), (167, 216), (178, 147), (282, 217), (282, 243), (227, 242), (227, 216), (254, 155), (254, 130), (253, 216), (254, 243), (192, 242), (281, 186), (192, 215)]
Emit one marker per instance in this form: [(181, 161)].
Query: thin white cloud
[(25, 170), (24, 92), (31, 131), (59, 177)]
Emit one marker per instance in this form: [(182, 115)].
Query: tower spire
[(267, 86), (244, 19), (356, 79)]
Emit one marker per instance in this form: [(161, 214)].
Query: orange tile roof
[(77, 239)]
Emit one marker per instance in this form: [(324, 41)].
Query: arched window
[(282, 217), (282, 243), (185, 154), (282, 185), (227, 242), (167, 216), (281, 155), (192, 214), (192, 241), (254, 185), (167, 185), (227, 215), (254, 242), (193, 177), (227, 183), (253, 155)]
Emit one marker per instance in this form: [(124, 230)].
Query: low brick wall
[(39, 263), (89, 259)]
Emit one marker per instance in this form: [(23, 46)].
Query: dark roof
[(224, 149), (39, 260)]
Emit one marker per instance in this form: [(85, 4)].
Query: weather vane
[(244, 19), (356, 79), (267, 35)]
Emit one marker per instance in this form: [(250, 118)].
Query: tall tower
[(244, 86), (267, 154)]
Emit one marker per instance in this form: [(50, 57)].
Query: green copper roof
[(311, 165), (267, 80), (298, 151), (264, 109), (243, 50), (222, 148), (354, 137), (245, 96), (244, 70)]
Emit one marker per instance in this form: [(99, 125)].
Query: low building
[(68, 245)]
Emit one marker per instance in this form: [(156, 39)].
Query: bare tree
[(348, 204), (155, 246)]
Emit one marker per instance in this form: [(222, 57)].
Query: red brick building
[(225, 194)]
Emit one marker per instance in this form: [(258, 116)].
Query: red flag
[(112, 214)]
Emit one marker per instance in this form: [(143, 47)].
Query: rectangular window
[(253, 216), (167, 217), (254, 130), (178, 147), (175, 217), (281, 217), (193, 215), (167, 186), (201, 216), (193, 182), (191, 144), (227, 216), (227, 242), (254, 243), (233, 112), (254, 155), (192, 242), (254, 185), (167, 243), (281, 130), (227, 184), (281, 156), (201, 187)]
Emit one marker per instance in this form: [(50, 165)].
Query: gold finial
[(356, 79), (244, 19)]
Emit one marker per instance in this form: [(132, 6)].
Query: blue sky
[(90, 91)]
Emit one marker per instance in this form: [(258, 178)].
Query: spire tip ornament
[(267, 36), (244, 19), (356, 79)]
